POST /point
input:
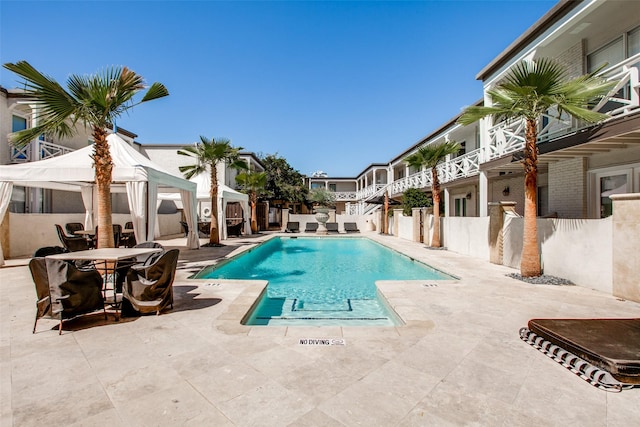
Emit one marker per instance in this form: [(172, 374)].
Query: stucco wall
[(28, 232), (575, 249), (403, 225), (466, 235)]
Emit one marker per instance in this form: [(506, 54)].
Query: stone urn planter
[(322, 216)]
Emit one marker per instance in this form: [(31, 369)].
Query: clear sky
[(332, 86)]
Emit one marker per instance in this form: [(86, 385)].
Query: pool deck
[(458, 360)]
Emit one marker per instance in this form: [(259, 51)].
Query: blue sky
[(332, 86)]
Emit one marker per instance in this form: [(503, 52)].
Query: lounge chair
[(149, 288), (293, 227), (332, 227), (64, 291), (72, 243), (311, 227), (351, 227)]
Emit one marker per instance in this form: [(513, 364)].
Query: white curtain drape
[(156, 230), (135, 197), (87, 200), (189, 204), (5, 198), (152, 198)]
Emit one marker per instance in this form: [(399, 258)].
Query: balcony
[(37, 150), (624, 99)]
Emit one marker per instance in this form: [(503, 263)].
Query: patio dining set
[(76, 238)]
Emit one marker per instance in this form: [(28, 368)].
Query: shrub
[(414, 198)]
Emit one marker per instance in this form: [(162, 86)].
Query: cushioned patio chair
[(351, 227), (311, 227), (292, 227), (332, 227), (150, 288), (72, 243), (64, 291)]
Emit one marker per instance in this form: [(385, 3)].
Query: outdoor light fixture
[(505, 192), (468, 196)]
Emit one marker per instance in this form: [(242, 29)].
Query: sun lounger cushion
[(609, 344)]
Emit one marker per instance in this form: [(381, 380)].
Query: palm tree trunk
[(254, 213), (214, 232), (103, 166), (530, 260), (435, 190)]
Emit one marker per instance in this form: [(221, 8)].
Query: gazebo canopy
[(141, 178)]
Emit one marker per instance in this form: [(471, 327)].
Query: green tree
[(208, 153), (529, 90), (414, 198), (93, 101), (253, 183), (321, 197), (283, 182), (429, 157)]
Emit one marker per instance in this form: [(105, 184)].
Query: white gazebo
[(133, 173), (225, 195)]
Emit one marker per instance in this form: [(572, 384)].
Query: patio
[(457, 361)]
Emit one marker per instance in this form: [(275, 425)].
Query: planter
[(322, 216)]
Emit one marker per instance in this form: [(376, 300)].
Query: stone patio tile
[(227, 382), (267, 405), (316, 418)]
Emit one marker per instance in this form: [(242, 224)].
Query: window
[(18, 123), (610, 54), (543, 201), (460, 206), (610, 181), (332, 187)]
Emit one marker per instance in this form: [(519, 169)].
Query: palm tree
[(254, 184), (531, 89), (95, 101), (207, 154), (430, 156)]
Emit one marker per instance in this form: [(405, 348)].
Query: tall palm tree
[(430, 156), (94, 101), (528, 91), (254, 183), (207, 154)]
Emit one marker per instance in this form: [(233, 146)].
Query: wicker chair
[(72, 243)]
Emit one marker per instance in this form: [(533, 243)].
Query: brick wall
[(568, 188), (573, 60)]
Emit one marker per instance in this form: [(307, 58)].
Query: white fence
[(466, 235)]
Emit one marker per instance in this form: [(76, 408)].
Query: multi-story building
[(580, 165)]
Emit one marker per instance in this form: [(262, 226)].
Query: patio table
[(107, 261)]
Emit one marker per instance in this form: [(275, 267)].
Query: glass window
[(633, 43), (609, 185), (18, 123), (332, 187), (460, 206), (610, 54)]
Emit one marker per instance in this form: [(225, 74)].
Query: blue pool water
[(322, 281)]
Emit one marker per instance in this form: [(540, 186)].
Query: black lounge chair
[(150, 288), (351, 227), (72, 243), (612, 345), (332, 227), (311, 227), (64, 291), (293, 227)]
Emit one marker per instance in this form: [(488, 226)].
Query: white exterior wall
[(577, 250), (25, 238), (466, 235), (403, 227)]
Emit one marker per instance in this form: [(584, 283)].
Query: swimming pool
[(322, 281)]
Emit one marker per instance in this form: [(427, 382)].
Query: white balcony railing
[(344, 195), (509, 137), (37, 150), (369, 191)]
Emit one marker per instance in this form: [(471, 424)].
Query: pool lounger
[(611, 345)]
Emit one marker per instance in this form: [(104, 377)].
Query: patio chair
[(72, 227), (185, 228), (64, 291), (311, 227), (332, 227), (150, 288), (49, 250), (72, 243), (117, 233), (128, 240), (351, 227), (139, 261), (292, 227)]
